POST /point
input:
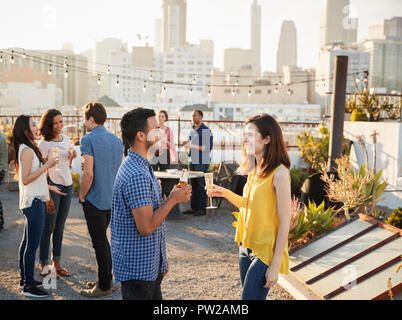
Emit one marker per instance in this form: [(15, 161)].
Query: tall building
[(287, 47), (358, 62), (256, 36), (174, 24), (388, 29), (158, 36), (236, 58), (185, 65), (385, 64), (337, 23), (104, 52)]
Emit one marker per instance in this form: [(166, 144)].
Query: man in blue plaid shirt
[(138, 241)]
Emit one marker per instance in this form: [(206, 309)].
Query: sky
[(47, 24)]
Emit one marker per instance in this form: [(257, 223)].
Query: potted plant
[(314, 152), (353, 189)]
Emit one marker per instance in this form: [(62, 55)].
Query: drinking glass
[(209, 181), (55, 152)]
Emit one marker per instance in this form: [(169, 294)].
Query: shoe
[(91, 284), (96, 292), (38, 284), (199, 213), (189, 211), (34, 292)]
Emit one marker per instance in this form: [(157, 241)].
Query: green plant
[(353, 189), (358, 116), (314, 220), (365, 105), (395, 218), (297, 176), (315, 151), (392, 109)]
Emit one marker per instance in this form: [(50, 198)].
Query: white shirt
[(37, 188), (62, 176)]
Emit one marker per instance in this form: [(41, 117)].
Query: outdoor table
[(168, 181)]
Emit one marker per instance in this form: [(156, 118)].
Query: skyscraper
[(338, 23), (174, 24), (287, 47), (256, 35)]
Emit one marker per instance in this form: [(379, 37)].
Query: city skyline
[(47, 25)]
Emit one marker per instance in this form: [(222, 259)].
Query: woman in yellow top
[(265, 207)]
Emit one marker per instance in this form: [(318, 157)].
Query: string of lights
[(261, 83)]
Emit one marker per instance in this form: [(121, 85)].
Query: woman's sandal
[(48, 272), (63, 272)]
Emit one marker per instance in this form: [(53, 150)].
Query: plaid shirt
[(134, 256)]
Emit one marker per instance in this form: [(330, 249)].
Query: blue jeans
[(54, 224), (33, 229), (199, 196), (252, 275)]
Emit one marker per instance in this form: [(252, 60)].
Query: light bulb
[(66, 74), (276, 90), (191, 90), (49, 71), (163, 90), (150, 76), (194, 81), (209, 91), (249, 91), (145, 86), (12, 57), (99, 79), (108, 69), (24, 55), (117, 81), (65, 62), (233, 92), (1, 56)]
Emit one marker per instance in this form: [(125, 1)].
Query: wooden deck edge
[(295, 288)]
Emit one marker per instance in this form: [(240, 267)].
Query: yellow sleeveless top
[(258, 222)]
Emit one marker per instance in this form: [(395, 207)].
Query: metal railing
[(227, 134), (394, 102)]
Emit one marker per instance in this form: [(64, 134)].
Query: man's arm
[(148, 221), (87, 176)]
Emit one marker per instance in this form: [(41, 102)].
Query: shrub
[(315, 151), (314, 220), (395, 218)]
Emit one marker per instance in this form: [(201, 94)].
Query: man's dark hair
[(133, 122), (199, 112), (97, 111)]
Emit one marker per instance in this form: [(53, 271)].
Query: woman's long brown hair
[(46, 124), (22, 135), (275, 152)]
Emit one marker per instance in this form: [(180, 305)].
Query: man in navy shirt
[(200, 146), (102, 154), (138, 212)]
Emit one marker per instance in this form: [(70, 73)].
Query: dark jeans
[(98, 222), (199, 196), (33, 229), (1, 216), (142, 290), (54, 224), (252, 275)]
